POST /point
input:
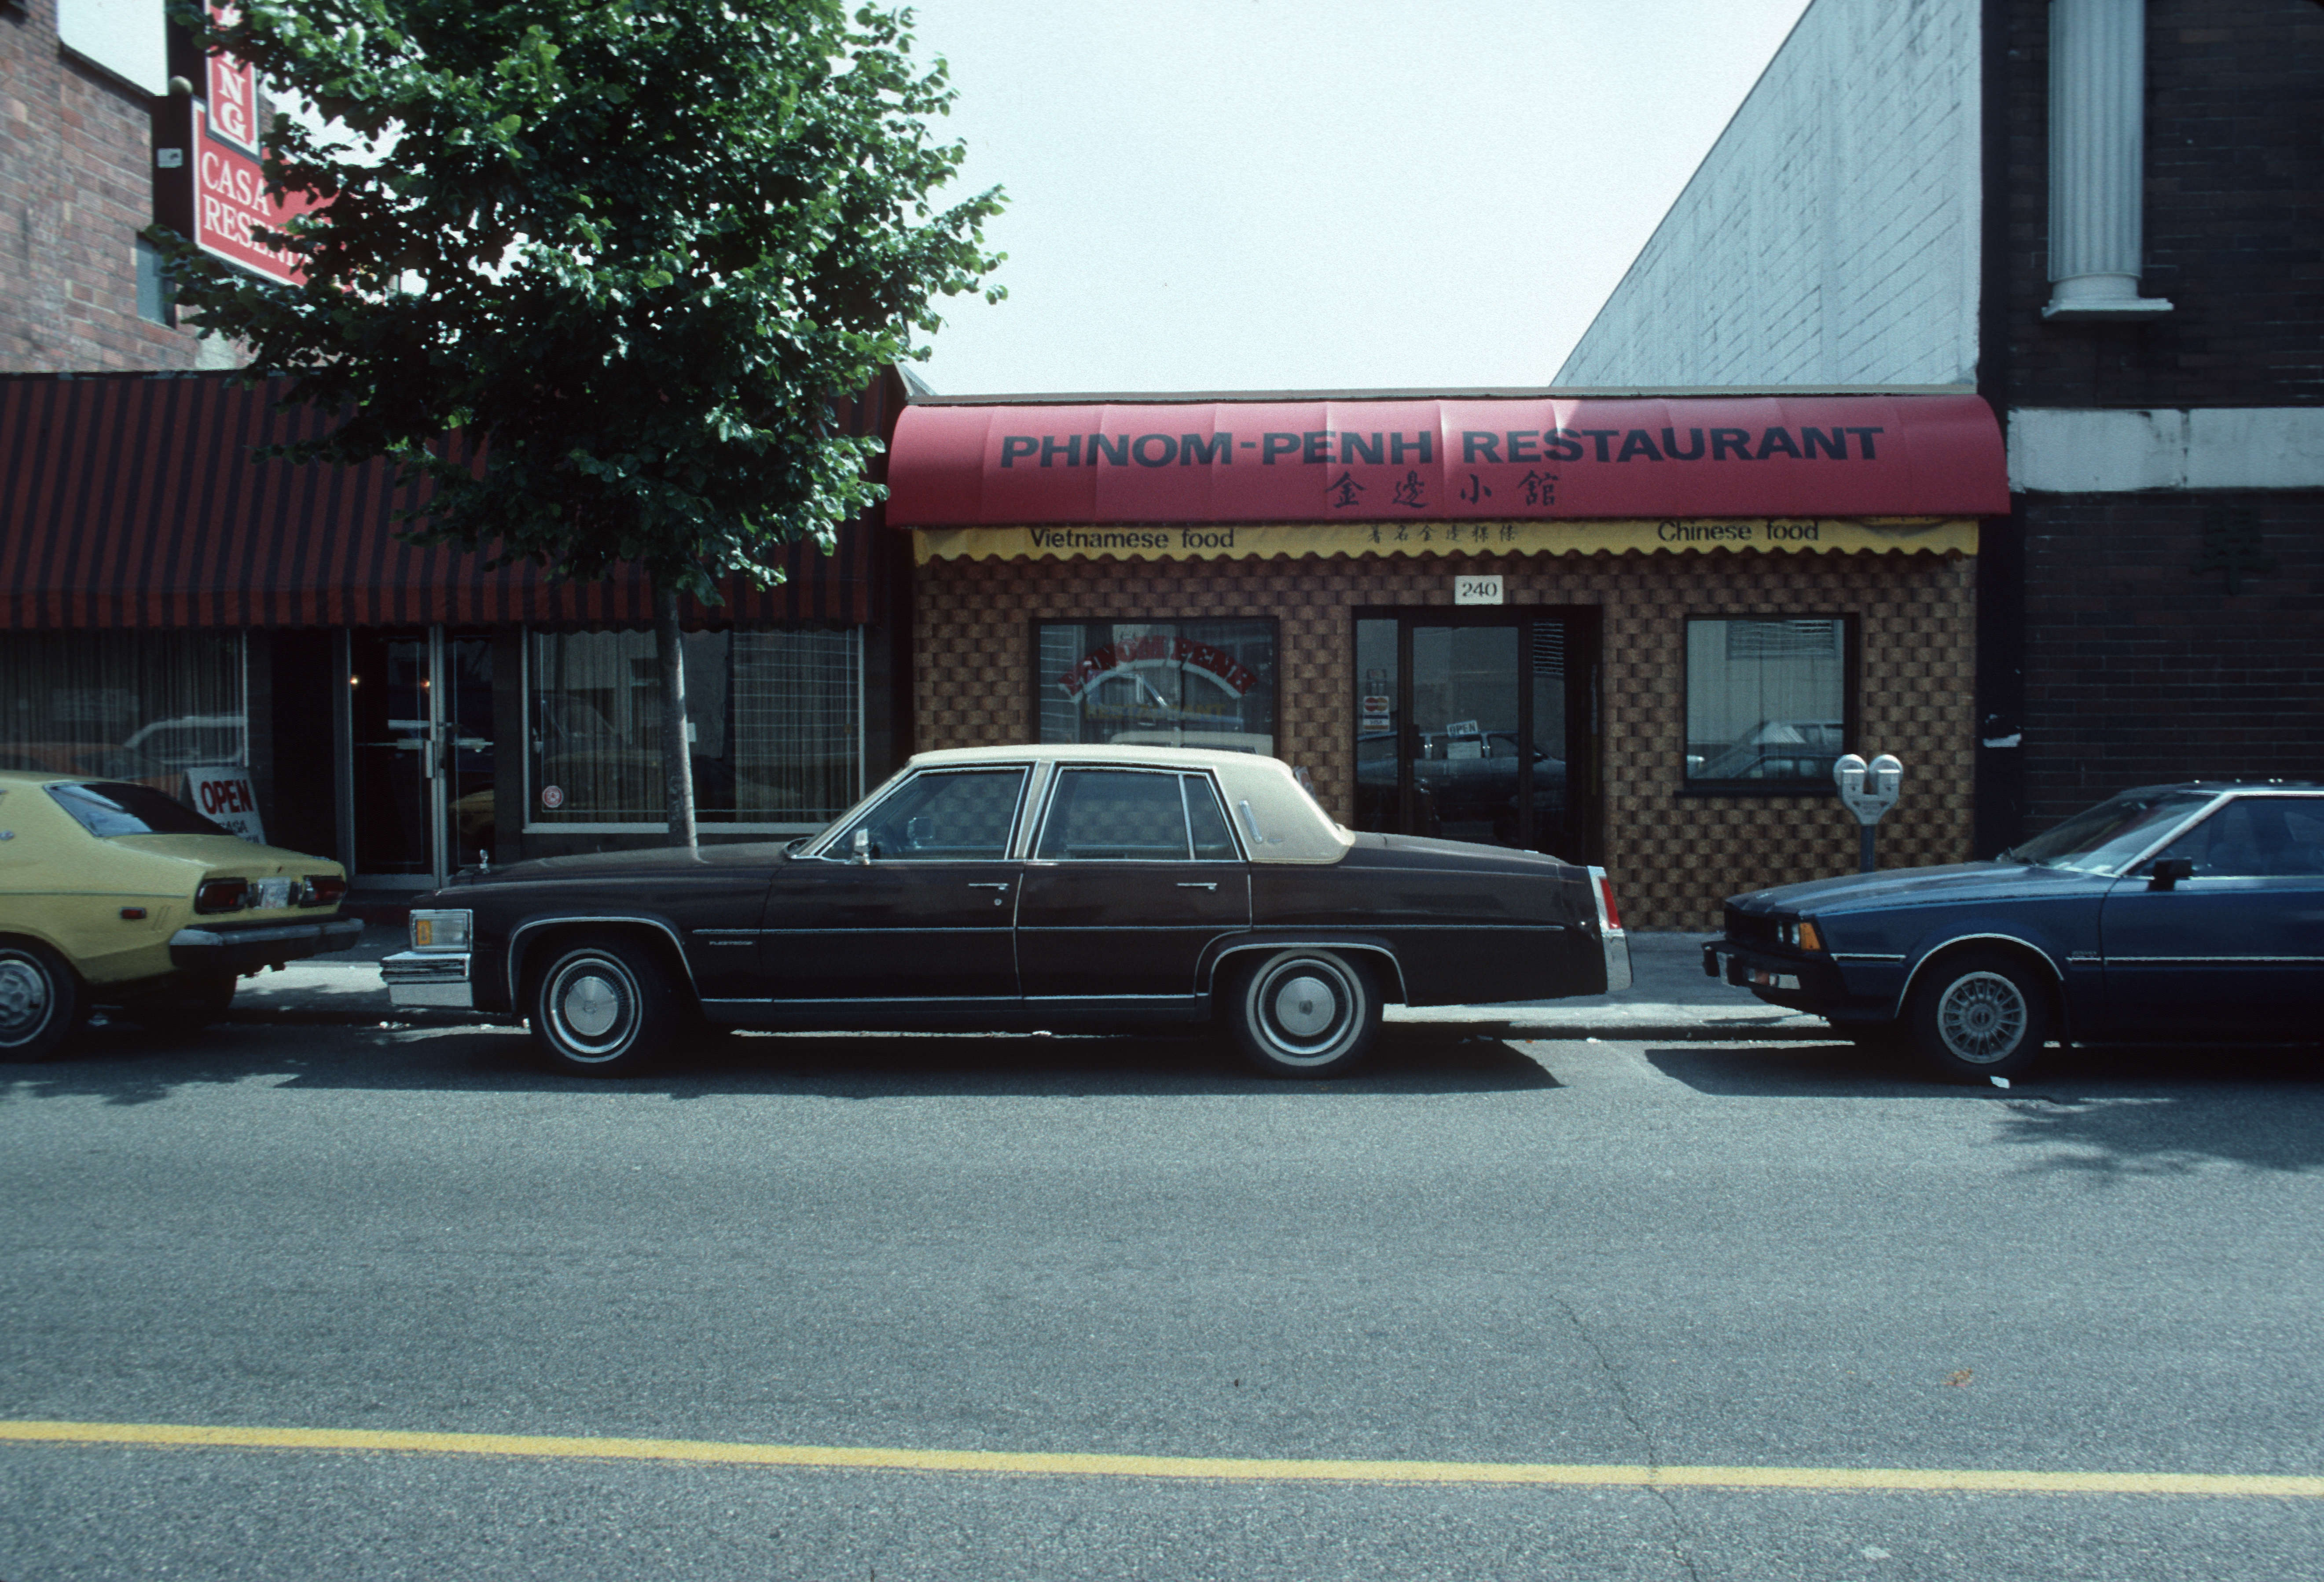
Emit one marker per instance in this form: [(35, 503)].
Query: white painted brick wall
[(1831, 236)]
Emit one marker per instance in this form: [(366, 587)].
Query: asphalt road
[(1589, 1254)]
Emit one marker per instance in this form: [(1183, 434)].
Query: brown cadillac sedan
[(1081, 888)]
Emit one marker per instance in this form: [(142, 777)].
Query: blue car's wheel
[(1980, 1015)]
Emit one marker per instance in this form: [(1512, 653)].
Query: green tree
[(628, 250)]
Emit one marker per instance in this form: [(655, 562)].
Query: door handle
[(980, 885), (1191, 885)]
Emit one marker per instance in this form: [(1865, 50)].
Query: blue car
[(2171, 913)]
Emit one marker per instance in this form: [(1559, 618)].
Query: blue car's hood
[(1957, 882)]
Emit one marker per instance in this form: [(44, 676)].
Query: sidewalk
[(1668, 997)]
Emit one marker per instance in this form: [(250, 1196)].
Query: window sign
[(1767, 701), (1156, 684)]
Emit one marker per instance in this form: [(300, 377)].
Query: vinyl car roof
[(1291, 827)]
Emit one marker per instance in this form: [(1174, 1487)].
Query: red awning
[(1756, 455), (130, 500)]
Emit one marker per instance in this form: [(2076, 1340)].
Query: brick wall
[(1673, 857), (2140, 668), (2235, 206), (75, 189)]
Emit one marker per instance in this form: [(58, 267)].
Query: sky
[(1246, 194)]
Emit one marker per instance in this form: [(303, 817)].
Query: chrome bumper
[(229, 948), (1618, 959), (428, 978)]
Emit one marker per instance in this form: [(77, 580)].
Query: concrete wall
[(1831, 236)]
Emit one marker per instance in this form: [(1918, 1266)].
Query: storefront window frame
[(1852, 688), (533, 826), (1034, 682), (238, 637)]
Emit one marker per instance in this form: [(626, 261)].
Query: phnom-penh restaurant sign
[(219, 194)]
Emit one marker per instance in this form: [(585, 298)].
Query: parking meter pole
[(1863, 861)]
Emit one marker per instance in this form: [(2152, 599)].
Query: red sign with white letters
[(229, 186)]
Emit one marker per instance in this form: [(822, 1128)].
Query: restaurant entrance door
[(420, 712), (1479, 725)]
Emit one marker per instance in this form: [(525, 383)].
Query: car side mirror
[(2167, 873), (860, 850)]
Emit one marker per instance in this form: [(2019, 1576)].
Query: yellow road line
[(1227, 1468)]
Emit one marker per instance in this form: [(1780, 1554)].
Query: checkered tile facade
[(1673, 857)]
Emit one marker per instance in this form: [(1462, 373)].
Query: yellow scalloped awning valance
[(1249, 541)]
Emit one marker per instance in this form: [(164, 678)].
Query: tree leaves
[(630, 251)]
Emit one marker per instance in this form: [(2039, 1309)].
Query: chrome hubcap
[(1306, 1006), (24, 997), (1982, 1019), (591, 1006)]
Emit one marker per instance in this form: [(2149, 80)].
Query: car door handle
[(1192, 884), (981, 886)]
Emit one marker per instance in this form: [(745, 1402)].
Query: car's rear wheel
[(603, 1007), (1304, 1013), (1980, 1015), (41, 1001)]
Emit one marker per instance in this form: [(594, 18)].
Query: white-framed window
[(1767, 701), (775, 719)]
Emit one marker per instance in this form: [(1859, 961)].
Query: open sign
[(224, 796)]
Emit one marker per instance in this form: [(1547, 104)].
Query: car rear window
[(115, 807)]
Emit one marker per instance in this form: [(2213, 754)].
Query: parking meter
[(1869, 791)]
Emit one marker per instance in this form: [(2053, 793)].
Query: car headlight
[(441, 931)]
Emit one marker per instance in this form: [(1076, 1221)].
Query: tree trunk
[(677, 756)]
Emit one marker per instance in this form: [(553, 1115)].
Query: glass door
[(1473, 726), (420, 712)]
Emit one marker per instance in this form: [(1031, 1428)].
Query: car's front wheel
[(1304, 1013), (40, 1000), (603, 1007), (1981, 1015)]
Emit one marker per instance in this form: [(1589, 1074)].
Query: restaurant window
[(1157, 683), (774, 719), (1767, 701), (141, 706)]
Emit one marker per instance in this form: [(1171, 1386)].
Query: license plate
[(270, 892)]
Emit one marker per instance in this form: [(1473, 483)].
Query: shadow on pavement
[(2097, 1110), (123, 1066)]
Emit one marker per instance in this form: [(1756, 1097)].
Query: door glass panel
[(1212, 842), (1377, 803), (962, 817), (388, 702), (1551, 803), (1464, 742), (1116, 815), (468, 710)]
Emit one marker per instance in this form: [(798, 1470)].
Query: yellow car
[(112, 894)]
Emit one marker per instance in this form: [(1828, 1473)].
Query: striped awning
[(131, 501)]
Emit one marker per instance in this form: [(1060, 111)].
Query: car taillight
[(324, 889), (1606, 901), (222, 895)]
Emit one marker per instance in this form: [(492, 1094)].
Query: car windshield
[(2105, 837), (114, 807)]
